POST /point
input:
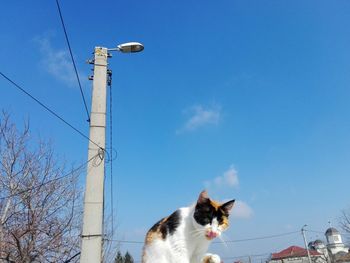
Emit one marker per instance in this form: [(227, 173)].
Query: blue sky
[(248, 99)]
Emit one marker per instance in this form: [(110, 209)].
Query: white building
[(335, 244), (320, 247), (334, 249), (295, 254)]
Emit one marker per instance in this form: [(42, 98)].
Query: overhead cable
[(111, 147), (258, 238), (49, 110), (217, 242), (48, 181), (73, 61)]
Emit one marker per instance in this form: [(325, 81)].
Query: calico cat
[(185, 235)]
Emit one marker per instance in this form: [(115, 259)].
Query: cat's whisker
[(196, 233), (200, 232), (222, 240)]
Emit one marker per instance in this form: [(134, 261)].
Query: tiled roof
[(293, 252)]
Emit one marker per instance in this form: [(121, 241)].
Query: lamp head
[(130, 47)]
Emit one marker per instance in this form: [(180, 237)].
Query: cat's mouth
[(211, 235)]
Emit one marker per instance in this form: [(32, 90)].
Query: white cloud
[(224, 183), (242, 210), (199, 117), (228, 179), (56, 62)]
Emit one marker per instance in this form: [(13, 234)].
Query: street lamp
[(305, 242), (92, 233), (130, 47)]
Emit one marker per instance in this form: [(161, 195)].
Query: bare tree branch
[(39, 215)]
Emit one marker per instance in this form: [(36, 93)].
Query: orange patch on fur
[(152, 236), (155, 234), (207, 259), (225, 223), (215, 204)]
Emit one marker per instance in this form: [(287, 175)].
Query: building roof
[(293, 252), (316, 245), (318, 242), (332, 231)]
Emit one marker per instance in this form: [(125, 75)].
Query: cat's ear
[(203, 197), (228, 206)]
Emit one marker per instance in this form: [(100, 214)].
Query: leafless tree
[(110, 246), (40, 207), (345, 220)]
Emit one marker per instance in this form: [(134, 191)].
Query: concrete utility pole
[(306, 246), (92, 234), (91, 246)]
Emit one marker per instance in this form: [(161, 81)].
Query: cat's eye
[(206, 209), (206, 220)]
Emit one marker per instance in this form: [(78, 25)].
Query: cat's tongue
[(211, 235)]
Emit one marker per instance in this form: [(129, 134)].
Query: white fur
[(187, 244)]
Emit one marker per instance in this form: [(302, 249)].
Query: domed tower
[(334, 241), (319, 244)]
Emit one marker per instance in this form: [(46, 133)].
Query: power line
[(314, 231), (109, 73), (71, 55), (322, 232), (263, 255), (259, 238), (69, 260), (247, 256), (124, 241), (216, 242), (49, 110), (49, 181)]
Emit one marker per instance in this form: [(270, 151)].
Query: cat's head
[(211, 216)]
